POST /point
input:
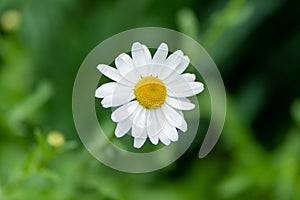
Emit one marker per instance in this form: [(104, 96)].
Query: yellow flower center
[(150, 92)]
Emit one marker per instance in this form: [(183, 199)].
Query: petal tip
[(154, 140), (184, 127), (100, 67), (136, 44), (138, 142), (119, 133), (97, 95), (163, 44)]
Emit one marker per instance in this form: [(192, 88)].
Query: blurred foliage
[(256, 47)]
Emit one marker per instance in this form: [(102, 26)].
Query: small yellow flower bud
[(10, 20), (55, 139)]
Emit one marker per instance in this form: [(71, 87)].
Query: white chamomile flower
[(149, 93)]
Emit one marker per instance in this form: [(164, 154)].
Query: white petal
[(123, 127), (124, 63), (185, 99), (185, 61), (106, 89), (138, 142), (179, 103), (170, 65), (141, 118), (184, 89), (138, 132), (140, 54), (124, 111), (154, 139), (109, 72), (170, 132), (174, 118), (160, 119), (173, 76), (165, 73), (139, 123), (159, 59), (164, 139), (160, 54), (153, 127), (161, 122), (126, 68), (155, 69), (145, 70), (117, 100), (189, 77), (174, 59), (133, 76)]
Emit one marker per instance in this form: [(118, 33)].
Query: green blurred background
[(255, 44)]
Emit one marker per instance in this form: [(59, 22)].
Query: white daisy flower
[(149, 93)]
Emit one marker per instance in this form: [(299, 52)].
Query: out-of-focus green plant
[(42, 44)]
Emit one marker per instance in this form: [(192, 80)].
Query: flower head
[(149, 93), (55, 139), (10, 20)]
